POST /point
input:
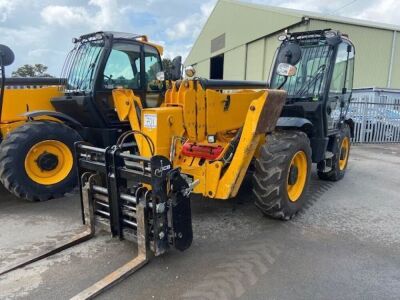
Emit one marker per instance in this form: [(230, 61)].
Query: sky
[(41, 31)]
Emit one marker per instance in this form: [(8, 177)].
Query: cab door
[(340, 87), (122, 69), (153, 87), (130, 65)]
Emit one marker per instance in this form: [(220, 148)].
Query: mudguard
[(293, 122), (54, 114)]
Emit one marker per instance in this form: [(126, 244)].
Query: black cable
[(340, 8), (133, 132), (125, 135), (283, 83), (119, 138)]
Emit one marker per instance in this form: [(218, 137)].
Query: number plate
[(150, 121)]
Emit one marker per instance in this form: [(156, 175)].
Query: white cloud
[(99, 14), (64, 16), (40, 52), (109, 13), (386, 11), (24, 38), (190, 26), (310, 5), (6, 7), (207, 8), (182, 29), (175, 50)]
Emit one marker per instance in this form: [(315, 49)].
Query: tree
[(36, 70), (173, 68), (167, 66)]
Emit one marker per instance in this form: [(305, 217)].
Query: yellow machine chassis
[(191, 113), (19, 101)]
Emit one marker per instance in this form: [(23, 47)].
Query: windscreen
[(80, 66), (311, 74)]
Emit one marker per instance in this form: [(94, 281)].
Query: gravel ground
[(344, 245)]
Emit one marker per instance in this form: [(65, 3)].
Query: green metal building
[(239, 41)]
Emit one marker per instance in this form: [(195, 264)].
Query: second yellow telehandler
[(42, 118)]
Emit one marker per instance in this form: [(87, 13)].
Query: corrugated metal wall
[(259, 58), (372, 54), (396, 63), (247, 57), (255, 60), (240, 23), (260, 55), (203, 68), (234, 63)]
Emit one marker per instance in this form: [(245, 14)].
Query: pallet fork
[(134, 198)]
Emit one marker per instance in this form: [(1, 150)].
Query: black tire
[(272, 167), (335, 174), (15, 148)]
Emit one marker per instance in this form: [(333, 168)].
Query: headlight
[(286, 70), (160, 76), (330, 34), (98, 36), (190, 71), (282, 37)]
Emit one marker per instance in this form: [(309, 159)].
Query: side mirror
[(6, 56), (286, 70), (190, 71), (289, 53), (176, 69), (6, 59), (160, 76)]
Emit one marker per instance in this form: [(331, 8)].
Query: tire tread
[(269, 169), (9, 177)]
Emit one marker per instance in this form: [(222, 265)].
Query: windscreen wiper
[(318, 75)]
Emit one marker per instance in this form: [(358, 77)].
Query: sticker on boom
[(150, 120)]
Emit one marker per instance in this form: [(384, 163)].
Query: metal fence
[(376, 113)]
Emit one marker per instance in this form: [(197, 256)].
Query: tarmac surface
[(344, 245)]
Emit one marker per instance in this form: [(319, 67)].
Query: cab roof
[(119, 35)]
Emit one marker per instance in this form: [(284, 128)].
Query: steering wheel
[(108, 79)]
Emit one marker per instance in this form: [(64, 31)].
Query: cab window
[(309, 80), (153, 65), (342, 76), (123, 67)]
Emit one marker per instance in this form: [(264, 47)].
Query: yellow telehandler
[(39, 124), (206, 137)]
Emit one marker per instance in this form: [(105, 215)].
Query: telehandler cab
[(204, 139), (39, 125)]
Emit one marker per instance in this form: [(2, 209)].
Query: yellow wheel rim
[(49, 162), (344, 153), (297, 175)]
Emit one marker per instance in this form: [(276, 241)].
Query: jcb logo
[(158, 172)]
